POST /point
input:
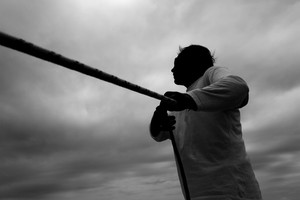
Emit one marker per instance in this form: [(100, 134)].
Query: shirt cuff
[(195, 98)]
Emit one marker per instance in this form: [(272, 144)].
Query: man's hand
[(166, 122), (161, 121), (184, 101)]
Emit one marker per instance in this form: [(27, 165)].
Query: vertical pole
[(180, 166)]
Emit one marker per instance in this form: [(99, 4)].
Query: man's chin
[(177, 82)]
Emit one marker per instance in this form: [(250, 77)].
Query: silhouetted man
[(207, 128)]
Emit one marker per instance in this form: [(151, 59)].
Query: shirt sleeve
[(223, 92)]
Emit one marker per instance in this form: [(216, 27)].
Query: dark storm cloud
[(44, 158)]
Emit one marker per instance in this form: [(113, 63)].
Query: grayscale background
[(66, 136)]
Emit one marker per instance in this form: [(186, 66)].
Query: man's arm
[(223, 92), (230, 92)]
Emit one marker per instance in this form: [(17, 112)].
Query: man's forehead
[(180, 58), (176, 60)]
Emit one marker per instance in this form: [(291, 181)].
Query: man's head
[(191, 63)]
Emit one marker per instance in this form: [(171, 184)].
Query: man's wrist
[(190, 103)]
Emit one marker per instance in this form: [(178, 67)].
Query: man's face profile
[(179, 71), (184, 72), (190, 64)]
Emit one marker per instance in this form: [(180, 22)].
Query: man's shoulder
[(215, 73), (215, 68)]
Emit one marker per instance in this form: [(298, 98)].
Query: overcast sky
[(66, 136)]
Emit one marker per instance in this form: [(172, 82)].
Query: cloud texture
[(67, 136)]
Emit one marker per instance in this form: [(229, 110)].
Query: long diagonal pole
[(44, 54)]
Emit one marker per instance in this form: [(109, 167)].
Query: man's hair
[(197, 56)]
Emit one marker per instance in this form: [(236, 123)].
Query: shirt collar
[(194, 85)]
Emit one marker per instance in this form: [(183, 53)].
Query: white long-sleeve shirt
[(210, 141)]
